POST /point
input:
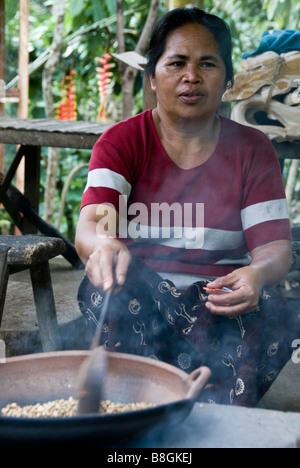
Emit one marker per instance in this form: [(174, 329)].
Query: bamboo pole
[(2, 69), (23, 76)]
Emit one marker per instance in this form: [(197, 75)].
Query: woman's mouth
[(191, 97)]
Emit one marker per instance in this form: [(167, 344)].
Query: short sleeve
[(265, 213), (108, 177), (117, 159)]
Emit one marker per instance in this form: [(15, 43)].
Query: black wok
[(50, 376)]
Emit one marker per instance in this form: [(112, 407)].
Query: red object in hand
[(218, 291)]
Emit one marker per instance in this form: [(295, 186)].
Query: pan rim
[(157, 408)]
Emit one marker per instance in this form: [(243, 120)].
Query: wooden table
[(32, 135)]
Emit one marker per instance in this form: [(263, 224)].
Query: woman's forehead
[(191, 38)]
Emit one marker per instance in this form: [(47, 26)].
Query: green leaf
[(77, 7), (99, 12), (111, 6)]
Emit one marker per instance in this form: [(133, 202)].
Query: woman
[(206, 207)]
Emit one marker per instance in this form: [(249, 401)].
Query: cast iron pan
[(50, 376)]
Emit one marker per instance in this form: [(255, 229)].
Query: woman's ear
[(153, 83), (150, 99)]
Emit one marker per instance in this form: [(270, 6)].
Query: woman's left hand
[(245, 297)]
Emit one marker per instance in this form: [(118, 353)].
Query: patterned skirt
[(150, 317)]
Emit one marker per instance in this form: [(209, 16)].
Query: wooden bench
[(33, 252)]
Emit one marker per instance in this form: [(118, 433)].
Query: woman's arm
[(98, 248), (270, 264)]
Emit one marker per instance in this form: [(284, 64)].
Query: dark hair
[(180, 17)]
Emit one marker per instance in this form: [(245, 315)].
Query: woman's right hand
[(105, 257), (109, 262)]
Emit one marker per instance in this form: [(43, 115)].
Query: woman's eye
[(177, 64), (207, 65)]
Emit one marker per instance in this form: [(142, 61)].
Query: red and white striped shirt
[(199, 222)]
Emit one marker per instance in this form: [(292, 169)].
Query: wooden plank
[(21, 204), (53, 133), (12, 93), (8, 95), (53, 125), (53, 139)]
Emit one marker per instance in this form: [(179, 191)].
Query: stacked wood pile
[(269, 83)]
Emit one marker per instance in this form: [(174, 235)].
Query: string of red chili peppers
[(67, 108), (104, 80)]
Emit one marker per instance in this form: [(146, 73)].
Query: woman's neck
[(188, 143)]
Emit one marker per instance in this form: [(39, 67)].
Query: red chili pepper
[(104, 79)]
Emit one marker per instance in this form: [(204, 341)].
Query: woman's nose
[(193, 75)]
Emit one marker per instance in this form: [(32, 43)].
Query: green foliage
[(90, 27)]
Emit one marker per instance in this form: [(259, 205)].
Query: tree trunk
[(128, 81), (129, 74), (23, 83), (120, 26), (292, 179), (50, 66)]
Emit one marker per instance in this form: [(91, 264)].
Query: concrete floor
[(19, 328)]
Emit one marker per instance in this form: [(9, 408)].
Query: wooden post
[(45, 307), (2, 69), (3, 278), (23, 76), (23, 59)]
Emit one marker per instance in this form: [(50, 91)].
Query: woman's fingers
[(243, 299), (109, 263), (107, 266), (123, 262), (230, 305), (93, 271)]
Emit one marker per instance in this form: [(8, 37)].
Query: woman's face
[(190, 77)]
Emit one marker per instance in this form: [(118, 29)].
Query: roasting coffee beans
[(66, 408)]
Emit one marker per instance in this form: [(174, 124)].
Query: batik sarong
[(150, 317)]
